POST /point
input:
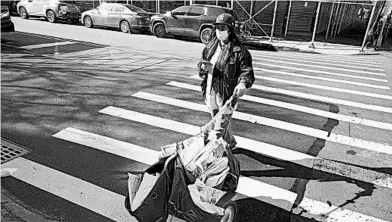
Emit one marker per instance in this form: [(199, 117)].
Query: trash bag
[(181, 204), (169, 189), (154, 207)]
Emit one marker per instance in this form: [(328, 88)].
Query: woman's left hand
[(240, 89)]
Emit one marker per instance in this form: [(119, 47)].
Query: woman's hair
[(224, 56)]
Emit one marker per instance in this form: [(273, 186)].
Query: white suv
[(52, 10)]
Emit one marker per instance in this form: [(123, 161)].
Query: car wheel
[(125, 27), (88, 22), (23, 13), (205, 35), (51, 16), (159, 30)]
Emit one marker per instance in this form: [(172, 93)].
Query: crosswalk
[(352, 91)]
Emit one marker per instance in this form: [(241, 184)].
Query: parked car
[(52, 10), (6, 24), (126, 17), (11, 5), (191, 21)]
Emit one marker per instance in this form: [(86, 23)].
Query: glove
[(240, 89)]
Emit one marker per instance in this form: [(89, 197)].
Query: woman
[(226, 69)]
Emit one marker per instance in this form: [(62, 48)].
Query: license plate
[(73, 15)]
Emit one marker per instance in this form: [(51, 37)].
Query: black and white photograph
[(196, 111)]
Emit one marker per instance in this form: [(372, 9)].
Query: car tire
[(88, 22), (159, 30), (23, 13), (51, 16), (205, 35), (125, 27)]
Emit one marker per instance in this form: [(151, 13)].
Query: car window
[(134, 8), (104, 7), (117, 8), (215, 11), (181, 10), (196, 11)]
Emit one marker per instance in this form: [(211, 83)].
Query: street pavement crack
[(143, 67)]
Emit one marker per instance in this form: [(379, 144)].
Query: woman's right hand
[(206, 66)]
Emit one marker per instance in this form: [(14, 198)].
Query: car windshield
[(134, 8), (4, 9)]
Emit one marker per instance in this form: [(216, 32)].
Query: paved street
[(314, 132)]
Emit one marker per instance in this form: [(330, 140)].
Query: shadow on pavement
[(48, 84)]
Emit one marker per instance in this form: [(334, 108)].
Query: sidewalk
[(317, 47)]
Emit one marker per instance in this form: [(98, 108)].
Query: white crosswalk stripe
[(313, 111), (324, 79), (247, 186), (70, 188), (312, 97), (313, 70), (325, 67), (354, 92), (330, 59), (248, 144), (322, 62), (331, 73), (46, 45), (369, 145)]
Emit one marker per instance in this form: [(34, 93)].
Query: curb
[(257, 45), (14, 210)]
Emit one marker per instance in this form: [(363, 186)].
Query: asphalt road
[(93, 103)]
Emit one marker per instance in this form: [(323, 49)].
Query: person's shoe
[(230, 213)]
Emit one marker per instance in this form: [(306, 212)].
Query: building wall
[(325, 12), (301, 17)]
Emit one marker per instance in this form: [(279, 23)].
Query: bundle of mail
[(206, 162)]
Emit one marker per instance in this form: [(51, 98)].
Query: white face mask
[(222, 35)]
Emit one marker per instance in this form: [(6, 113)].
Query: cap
[(225, 19)]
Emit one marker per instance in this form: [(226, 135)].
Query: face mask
[(222, 35)]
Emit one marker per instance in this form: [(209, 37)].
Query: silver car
[(124, 16)]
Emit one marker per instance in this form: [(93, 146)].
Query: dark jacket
[(237, 68)]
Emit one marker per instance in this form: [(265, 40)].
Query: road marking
[(353, 60), (311, 97), (325, 67), (351, 119), (351, 141), (270, 150), (273, 151), (322, 59), (306, 70), (326, 79), (262, 57), (252, 188), (46, 45), (75, 190), (354, 92), (333, 74)]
